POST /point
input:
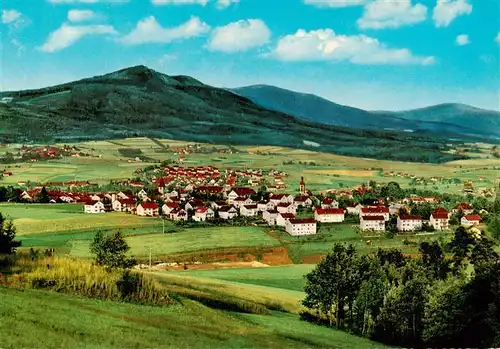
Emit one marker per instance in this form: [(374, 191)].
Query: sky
[(371, 54)]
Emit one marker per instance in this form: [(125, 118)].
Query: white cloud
[(239, 36), (166, 58), (497, 38), (381, 14), (226, 3), (149, 30), (67, 35), (179, 2), (335, 3), (81, 15), (447, 10), (11, 16), (325, 45), (462, 40)]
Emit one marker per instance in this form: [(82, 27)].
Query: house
[(353, 208), (439, 219), (168, 207), (201, 214), (7, 174), (463, 207), (394, 208), (217, 205), (123, 205), (249, 210), (270, 216), (228, 212), (263, 206), (143, 195), (329, 203), (193, 204), (375, 223), (286, 207), (93, 206), (241, 201), (470, 219), (300, 226), (375, 211), (282, 218), (280, 198), (149, 209), (409, 223), (237, 192), (178, 214), (302, 200), (329, 215)]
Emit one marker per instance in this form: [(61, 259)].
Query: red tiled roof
[(244, 191), (251, 207), (127, 201), (373, 218), (202, 210), (473, 217), (379, 209), (284, 204), (149, 205), (410, 218), (287, 215), (327, 201), (302, 220), (322, 211), (463, 206), (440, 213)]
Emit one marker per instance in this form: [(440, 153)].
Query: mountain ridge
[(139, 101), (438, 118)]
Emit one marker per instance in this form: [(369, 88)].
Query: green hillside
[(37, 319), (142, 102)]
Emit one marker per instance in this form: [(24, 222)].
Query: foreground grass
[(38, 319)]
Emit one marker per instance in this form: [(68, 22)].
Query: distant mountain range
[(445, 118), (139, 101)]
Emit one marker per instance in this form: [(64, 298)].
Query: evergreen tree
[(43, 197), (8, 244)]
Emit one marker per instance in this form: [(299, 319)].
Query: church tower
[(302, 186)]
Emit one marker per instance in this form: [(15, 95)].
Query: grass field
[(188, 240), (31, 219), (37, 319), (288, 277)]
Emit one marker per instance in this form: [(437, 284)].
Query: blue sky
[(373, 54)]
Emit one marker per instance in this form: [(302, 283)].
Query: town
[(206, 194)]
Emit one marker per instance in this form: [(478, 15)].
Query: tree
[(433, 259), (110, 250), (43, 197), (494, 226), (333, 283), (8, 244)]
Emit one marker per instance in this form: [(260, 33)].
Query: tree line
[(447, 297)]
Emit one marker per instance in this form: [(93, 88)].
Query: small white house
[(228, 212), (282, 218), (375, 211), (375, 223), (201, 214), (147, 209), (249, 210), (409, 223), (94, 207), (329, 203), (286, 207), (241, 201), (303, 201), (329, 215), (440, 219), (300, 226), (470, 220)]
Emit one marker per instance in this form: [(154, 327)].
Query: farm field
[(288, 277), (76, 322), (327, 171), (188, 240), (32, 219)]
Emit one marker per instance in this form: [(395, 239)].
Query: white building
[(375, 211), (286, 207), (440, 219), (281, 198), (270, 217), (329, 203), (228, 212), (249, 210), (282, 218), (94, 207), (470, 219), (241, 201), (123, 205), (409, 223), (301, 226), (303, 201), (201, 214), (375, 223), (149, 209), (329, 215)]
